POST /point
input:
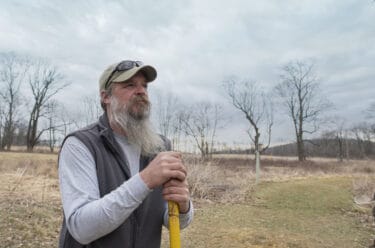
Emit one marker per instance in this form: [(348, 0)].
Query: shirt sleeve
[(185, 219), (89, 217)]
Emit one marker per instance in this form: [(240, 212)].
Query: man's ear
[(104, 97)]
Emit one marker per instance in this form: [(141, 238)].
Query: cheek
[(123, 98)]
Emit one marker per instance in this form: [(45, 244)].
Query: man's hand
[(167, 170), (164, 167), (177, 191)]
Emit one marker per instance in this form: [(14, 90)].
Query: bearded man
[(117, 174)]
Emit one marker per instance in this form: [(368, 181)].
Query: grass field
[(309, 205), (317, 212)]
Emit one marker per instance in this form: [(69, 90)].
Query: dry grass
[(231, 210), (30, 213), (210, 183), (36, 164), (229, 178)]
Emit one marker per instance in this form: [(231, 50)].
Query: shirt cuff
[(186, 219)]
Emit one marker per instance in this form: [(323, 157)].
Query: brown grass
[(36, 164), (30, 208), (230, 177)]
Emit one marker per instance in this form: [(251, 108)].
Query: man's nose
[(141, 90)]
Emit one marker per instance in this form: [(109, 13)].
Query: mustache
[(140, 99)]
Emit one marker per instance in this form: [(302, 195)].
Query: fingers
[(177, 191), (176, 183), (165, 166), (171, 162), (173, 154), (174, 174)]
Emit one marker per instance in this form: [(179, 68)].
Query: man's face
[(131, 96), (128, 110)]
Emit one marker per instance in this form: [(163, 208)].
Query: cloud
[(196, 44)]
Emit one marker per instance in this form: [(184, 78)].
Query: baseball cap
[(124, 70)]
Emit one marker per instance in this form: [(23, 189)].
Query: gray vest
[(143, 227)]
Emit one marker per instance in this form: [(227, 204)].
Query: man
[(117, 175)]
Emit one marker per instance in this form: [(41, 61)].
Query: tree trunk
[(341, 149), (7, 141), (208, 154), (8, 129), (257, 167), (32, 129), (257, 156), (301, 149)]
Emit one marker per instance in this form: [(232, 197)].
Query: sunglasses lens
[(128, 64), (124, 66)]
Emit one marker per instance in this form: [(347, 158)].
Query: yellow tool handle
[(174, 225)]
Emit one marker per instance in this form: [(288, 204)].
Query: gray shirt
[(89, 217)]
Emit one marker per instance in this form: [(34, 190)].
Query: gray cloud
[(196, 44)]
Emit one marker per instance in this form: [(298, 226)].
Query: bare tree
[(200, 121), (176, 133), (88, 112), (45, 82), (13, 69), (67, 120), (166, 113), (257, 109), (20, 135), (304, 102), (341, 137), (339, 134), (363, 134), (91, 109), (51, 114)]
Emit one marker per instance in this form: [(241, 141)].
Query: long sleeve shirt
[(84, 209)]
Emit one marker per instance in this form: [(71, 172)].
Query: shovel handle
[(174, 225)]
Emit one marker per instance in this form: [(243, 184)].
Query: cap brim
[(149, 72)]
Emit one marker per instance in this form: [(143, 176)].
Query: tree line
[(27, 89), (297, 95), (30, 114)]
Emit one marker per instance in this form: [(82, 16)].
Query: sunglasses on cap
[(123, 66)]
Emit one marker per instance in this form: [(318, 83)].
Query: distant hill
[(351, 148)]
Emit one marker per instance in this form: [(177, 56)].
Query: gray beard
[(137, 127)]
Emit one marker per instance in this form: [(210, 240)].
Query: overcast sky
[(194, 45)]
